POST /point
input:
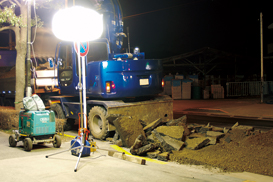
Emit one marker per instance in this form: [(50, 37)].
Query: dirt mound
[(263, 139), (243, 153)]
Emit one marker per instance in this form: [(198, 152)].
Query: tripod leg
[(63, 151), (80, 154)]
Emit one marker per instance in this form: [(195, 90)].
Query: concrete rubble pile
[(158, 140)]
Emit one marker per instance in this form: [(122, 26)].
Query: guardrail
[(248, 88)]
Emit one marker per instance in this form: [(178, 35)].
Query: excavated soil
[(243, 153)]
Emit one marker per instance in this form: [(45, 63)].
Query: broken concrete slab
[(204, 129), (157, 137), (178, 122), (163, 156), (143, 150), (226, 130), (136, 145), (150, 139), (167, 143), (139, 142), (129, 128), (213, 140), (195, 125), (256, 132), (215, 128), (243, 127), (148, 129), (196, 135), (228, 139), (175, 132), (196, 143), (153, 154), (172, 144), (142, 123), (215, 134), (236, 124), (182, 121)]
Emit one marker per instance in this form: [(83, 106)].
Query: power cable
[(131, 16)]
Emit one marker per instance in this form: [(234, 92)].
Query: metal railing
[(248, 88)]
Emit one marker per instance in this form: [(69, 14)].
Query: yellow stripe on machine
[(119, 149)]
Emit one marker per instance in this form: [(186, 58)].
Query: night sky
[(228, 25), (164, 28)]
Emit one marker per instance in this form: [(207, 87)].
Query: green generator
[(35, 127), (37, 123)]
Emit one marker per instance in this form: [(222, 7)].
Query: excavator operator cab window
[(65, 68), (97, 52)]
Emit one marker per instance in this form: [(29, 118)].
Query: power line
[(131, 16)]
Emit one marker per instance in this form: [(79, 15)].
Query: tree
[(13, 16)]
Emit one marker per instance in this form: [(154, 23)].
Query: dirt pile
[(238, 151), (8, 118)]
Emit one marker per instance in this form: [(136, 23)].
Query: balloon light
[(77, 24)]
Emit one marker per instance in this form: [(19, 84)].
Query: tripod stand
[(82, 142), (82, 97)]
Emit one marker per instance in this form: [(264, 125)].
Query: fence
[(248, 88)]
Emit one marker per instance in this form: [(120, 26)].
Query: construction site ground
[(18, 165), (245, 158)]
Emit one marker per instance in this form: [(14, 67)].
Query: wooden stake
[(127, 157)]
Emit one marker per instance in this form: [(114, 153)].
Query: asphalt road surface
[(228, 122)]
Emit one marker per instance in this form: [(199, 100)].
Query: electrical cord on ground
[(101, 155)]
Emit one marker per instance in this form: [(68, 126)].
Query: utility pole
[(28, 85), (262, 58)]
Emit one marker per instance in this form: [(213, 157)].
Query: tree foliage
[(8, 17), (10, 14), (13, 15)]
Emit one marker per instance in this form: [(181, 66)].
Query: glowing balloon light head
[(77, 24)]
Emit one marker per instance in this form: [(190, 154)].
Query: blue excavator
[(117, 83)]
